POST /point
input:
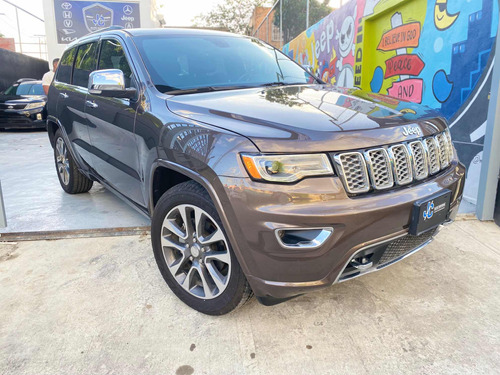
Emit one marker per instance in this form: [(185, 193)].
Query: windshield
[(25, 89), (190, 62)]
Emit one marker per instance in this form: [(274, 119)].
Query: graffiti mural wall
[(436, 52)]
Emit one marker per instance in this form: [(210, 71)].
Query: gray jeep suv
[(259, 178)]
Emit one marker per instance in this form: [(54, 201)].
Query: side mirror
[(109, 83)]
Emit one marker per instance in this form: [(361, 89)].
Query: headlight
[(34, 105), (286, 168)]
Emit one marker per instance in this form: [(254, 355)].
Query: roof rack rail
[(116, 27)]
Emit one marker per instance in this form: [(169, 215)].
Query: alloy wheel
[(62, 161), (196, 251)]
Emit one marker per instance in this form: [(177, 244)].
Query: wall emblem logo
[(127, 9), (429, 212), (66, 6), (97, 17), (409, 130)]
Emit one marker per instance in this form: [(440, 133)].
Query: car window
[(11, 90), (85, 62), (185, 62), (65, 66), (113, 57), (24, 89), (36, 89)]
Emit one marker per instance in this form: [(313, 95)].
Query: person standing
[(49, 76)]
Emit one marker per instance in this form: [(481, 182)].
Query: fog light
[(309, 238), (38, 116)]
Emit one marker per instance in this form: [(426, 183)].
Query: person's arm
[(46, 81)]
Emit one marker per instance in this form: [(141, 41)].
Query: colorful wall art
[(436, 52)]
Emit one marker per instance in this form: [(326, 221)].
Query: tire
[(208, 277), (71, 179)]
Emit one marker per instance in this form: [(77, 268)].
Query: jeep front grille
[(353, 167), (400, 164), (379, 166), (432, 149)]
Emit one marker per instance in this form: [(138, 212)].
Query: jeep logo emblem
[(409, 130)]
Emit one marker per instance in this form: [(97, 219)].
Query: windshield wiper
[(197, 90), (281, 83)]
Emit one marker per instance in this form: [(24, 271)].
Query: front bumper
[(23, 119), (359, 223)]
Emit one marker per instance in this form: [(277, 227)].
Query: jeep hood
[(309, 118)]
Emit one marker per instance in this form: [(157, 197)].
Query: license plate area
[(430, 212)]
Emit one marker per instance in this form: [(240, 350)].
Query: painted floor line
[(80, 233)]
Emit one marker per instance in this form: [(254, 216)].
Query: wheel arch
[(183, 174), (52, 126)]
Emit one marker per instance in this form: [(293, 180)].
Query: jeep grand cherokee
[(258, 177)]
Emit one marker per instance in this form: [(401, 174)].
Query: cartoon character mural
[(436, 52), (345, 37)]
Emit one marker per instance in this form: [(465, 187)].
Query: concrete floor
[(34, 200), (100, 306)]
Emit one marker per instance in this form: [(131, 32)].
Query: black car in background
[(22, 105)]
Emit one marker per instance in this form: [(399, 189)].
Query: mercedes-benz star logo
[(127, 9)]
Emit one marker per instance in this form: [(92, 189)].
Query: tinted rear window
[(65, 66)]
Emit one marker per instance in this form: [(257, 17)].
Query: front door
[(111, 128)]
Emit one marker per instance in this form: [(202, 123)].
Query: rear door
[(111, 127), (71, 84)]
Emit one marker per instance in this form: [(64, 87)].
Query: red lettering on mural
[(404, 36), (409, 89), (403, 65)]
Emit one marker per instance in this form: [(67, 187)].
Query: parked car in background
[(258, 176), (22, 105)]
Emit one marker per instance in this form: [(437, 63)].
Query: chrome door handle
[(63, 95), (90, 104)]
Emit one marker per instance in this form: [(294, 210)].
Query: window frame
[(97, 42), (125, 52), (56, 76)]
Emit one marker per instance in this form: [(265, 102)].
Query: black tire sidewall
[(232, 295), (78, 183)]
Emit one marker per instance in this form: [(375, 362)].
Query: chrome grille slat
[(353, 168), (420, 168), (443, 149), (450, 145), (379, 167), (400, 164), (433, 154)]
